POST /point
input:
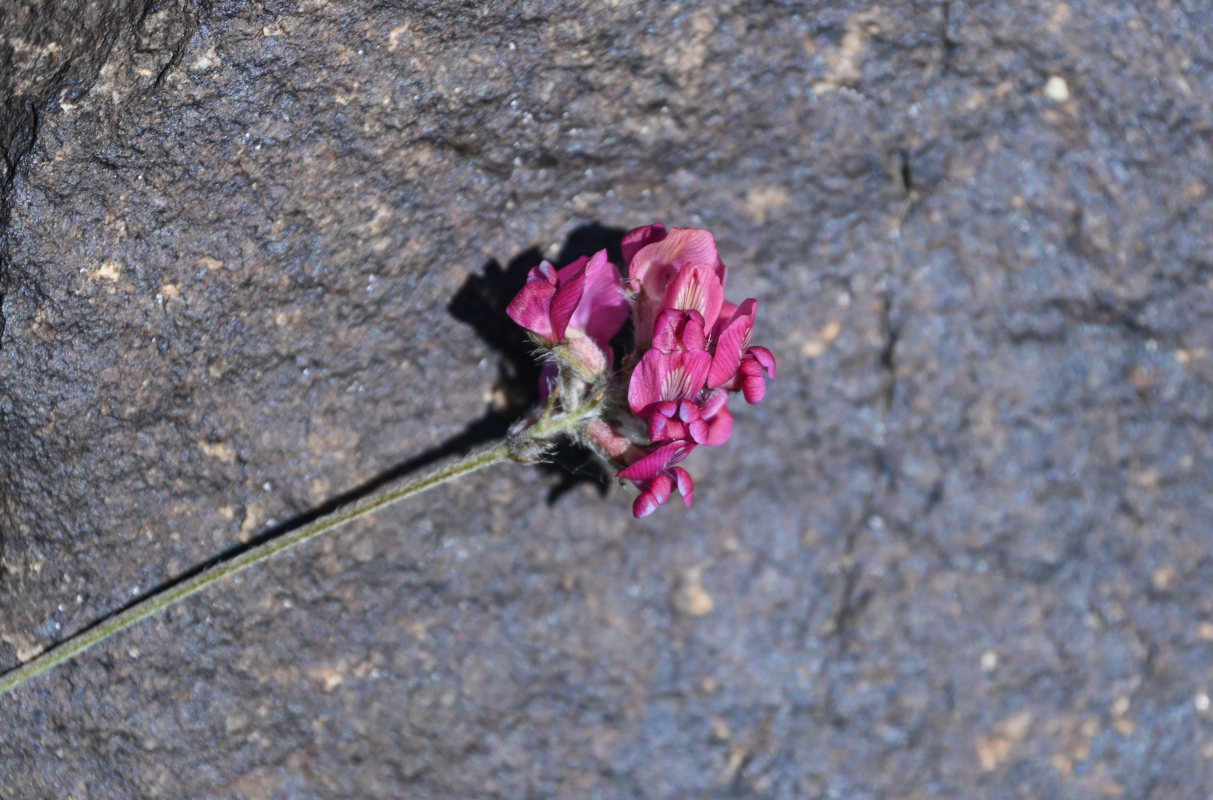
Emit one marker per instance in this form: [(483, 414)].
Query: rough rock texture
[(962, 550)]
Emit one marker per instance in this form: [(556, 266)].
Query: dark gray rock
[(961, 550)]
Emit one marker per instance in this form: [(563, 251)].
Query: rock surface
[(961, 550)]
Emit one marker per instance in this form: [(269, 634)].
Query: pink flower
[(735, 365), (679, 269), (692, 352), (667, 391), (579, 307), (657, 477)]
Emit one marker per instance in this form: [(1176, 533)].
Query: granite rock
[(962, 549)]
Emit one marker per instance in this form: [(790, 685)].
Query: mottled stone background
[(962, 550)]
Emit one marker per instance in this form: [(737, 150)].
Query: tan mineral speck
[(989, 661), (760, 201), (220, 450), (816, 346), (1163, 578), (690, 597), (994, 748), (1056, 89), (109, 270), (205, 61), (720, 730)]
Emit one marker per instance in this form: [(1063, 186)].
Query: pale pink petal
[(680, 246), (697, 288)]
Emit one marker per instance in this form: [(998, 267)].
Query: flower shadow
[(481, 303)]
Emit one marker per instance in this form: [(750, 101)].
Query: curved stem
[(174, 592)]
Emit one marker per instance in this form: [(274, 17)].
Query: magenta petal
[(754, 387), (685, 374), (665, 331), (693, 332), (644, 505), (657, 461), (720, 428), (730, 343), (531, 307), (713, 402), (667, 376), (644, 389), (604, 307), (658, 424), (661, 488), (637, 238), (764, 357), (727, 312), (686, 487), (568, 295)]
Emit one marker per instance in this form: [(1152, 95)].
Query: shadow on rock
[(481, 303)]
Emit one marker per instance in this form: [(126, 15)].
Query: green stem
[(175, 592), (513, 449)]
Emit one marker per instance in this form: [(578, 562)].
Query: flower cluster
[(693, 350)]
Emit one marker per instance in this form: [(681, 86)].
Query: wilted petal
[(583, 354), (606, 439), (637, 238)]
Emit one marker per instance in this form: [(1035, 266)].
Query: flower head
[(692, 352), (576, 309)]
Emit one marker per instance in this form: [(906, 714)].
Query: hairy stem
[(179, 590)]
